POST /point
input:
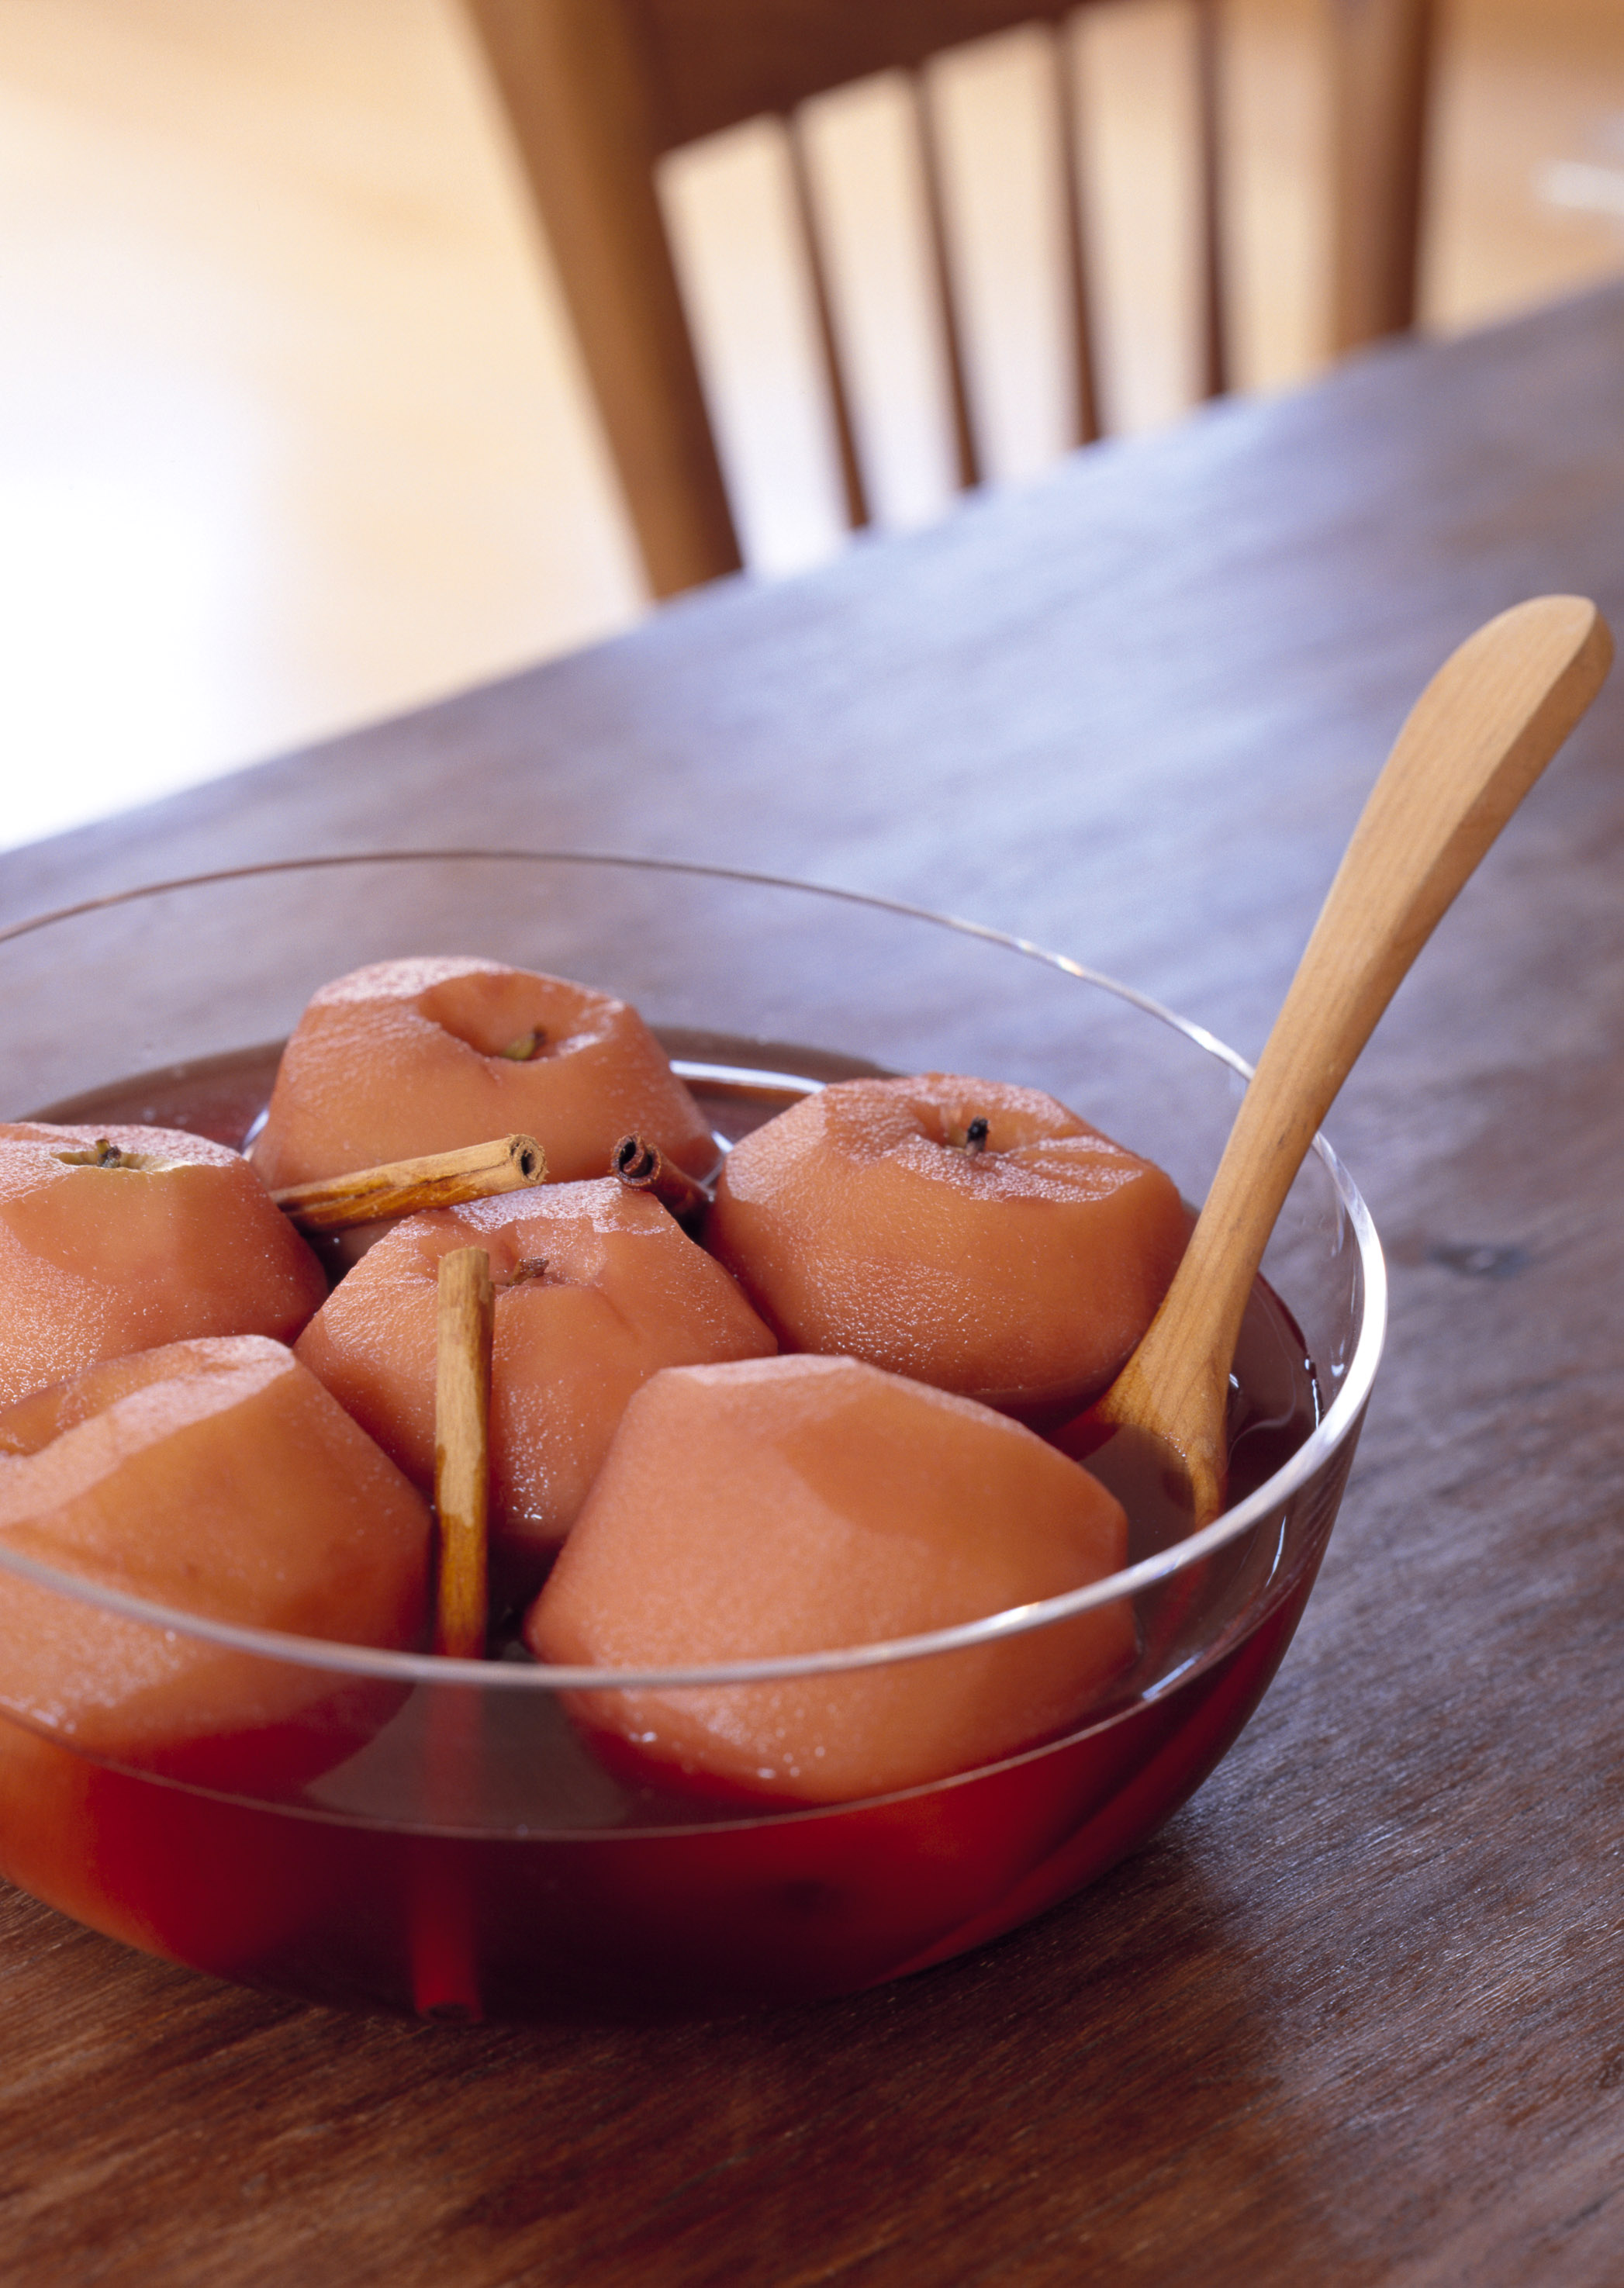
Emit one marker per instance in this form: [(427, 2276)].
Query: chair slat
[(834, 374), (1062, 75), (946, 299), (1212, 312)]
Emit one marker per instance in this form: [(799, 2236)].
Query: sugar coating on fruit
[(405, 1058), (120, 1239), (977, 1236), (214, 1476), (803, 1505), (596, 1290)]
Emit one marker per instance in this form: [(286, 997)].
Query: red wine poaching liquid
[(477, 1857)]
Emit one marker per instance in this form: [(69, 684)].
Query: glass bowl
[(442, 1836)]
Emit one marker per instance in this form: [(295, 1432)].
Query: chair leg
[(570, 78), (967, 461), (1381, 55), (852, 484)]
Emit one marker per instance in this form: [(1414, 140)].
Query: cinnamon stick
[(403, 1188), (462, 1449), (643, 1167)]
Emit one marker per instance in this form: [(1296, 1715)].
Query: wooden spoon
[(1479, 736)]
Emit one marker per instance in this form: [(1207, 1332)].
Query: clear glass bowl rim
[(1338, 1424)]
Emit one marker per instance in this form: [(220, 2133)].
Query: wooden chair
[(599, 91)]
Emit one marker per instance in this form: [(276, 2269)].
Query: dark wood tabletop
[(1356, 2015)]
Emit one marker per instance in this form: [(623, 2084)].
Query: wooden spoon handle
[(1479, 736)]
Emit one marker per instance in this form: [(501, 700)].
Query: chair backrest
[(598, 91)]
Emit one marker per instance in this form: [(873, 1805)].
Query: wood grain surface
[(1355, 2016)]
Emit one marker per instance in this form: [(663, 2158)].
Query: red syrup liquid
[(477, 1857)]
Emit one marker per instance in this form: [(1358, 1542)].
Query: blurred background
[(292, 431)]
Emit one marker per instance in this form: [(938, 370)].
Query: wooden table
[(1356, 2016)]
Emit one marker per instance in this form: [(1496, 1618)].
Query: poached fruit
[(121, 1238), (802, 1505), (596, 1290), (974, 1236), (215, 1476), (404, 1058)]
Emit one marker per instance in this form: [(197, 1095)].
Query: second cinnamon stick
[(462, 1449), (642, 1167)]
